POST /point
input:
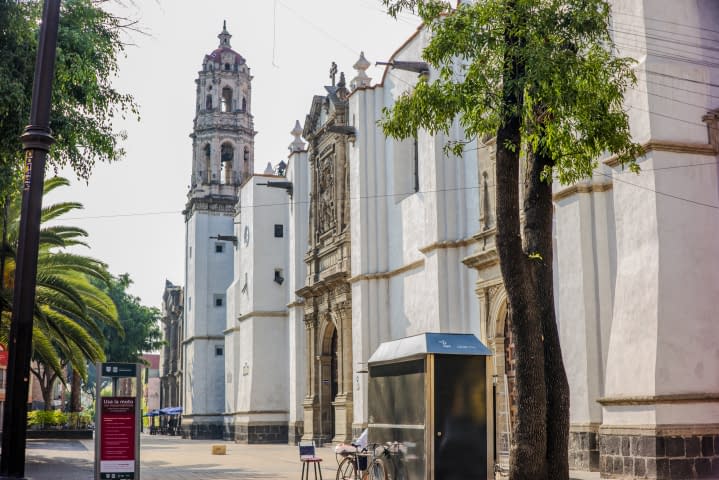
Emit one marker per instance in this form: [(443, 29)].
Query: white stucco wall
[(298, 218), (257, 327), (207, 273), (407, 246)]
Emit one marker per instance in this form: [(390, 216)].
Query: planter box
[(60, 433)]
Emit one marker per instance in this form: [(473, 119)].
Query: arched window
[(226, 99), (208, 167), (246, 155), (244, 104), (227, 154), (227, 67), (208, 102)]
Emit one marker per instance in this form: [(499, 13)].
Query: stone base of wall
[(659, 457), (584, 449), (266, 433), (203, 431), (295, 432)]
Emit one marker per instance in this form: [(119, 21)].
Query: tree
[(543, 78), (70, 310), (140, 324), (84, 102)]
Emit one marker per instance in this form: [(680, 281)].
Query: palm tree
[(69, 310)]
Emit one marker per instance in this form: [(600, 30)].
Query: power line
[(664, 194), (390, 195)]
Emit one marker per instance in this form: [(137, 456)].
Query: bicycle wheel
[(378, 470), (346, 469)]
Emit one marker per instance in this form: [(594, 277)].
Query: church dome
[(224, 54)]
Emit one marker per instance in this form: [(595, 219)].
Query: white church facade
[(360, 239)]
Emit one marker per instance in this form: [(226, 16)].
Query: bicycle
[(389, 461), (353, 465)]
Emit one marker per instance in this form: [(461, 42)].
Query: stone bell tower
[(222, 160)]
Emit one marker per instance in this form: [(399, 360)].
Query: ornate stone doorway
[(328, 383)]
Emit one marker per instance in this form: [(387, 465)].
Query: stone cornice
[(582, 188), (202, 337), (383, 275), (700, 397), (661, 430), (258, 412), (263, 313), (234, 329), (296, 303), (445, 244), (482, 260), (669, 146)]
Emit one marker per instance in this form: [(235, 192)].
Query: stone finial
[(297, 144), (224, 35), (361, 80), (268, 169)]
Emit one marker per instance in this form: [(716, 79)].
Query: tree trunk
[(539, 211), (46, 390), (528, 454), (75, 404)]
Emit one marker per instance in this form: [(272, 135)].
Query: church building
[(295, 277)]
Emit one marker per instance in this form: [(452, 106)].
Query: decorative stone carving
[(361, 80)]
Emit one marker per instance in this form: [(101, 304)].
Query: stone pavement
[(177, 459)]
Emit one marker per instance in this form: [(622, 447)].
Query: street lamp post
[(36, 140)]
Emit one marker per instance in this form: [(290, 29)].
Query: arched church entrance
[(505, 398), (329, 384)]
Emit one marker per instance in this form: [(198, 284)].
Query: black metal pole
[(36, 142)]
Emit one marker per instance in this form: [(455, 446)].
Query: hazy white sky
[(132, 208)]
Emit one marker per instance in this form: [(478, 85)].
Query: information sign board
[(117, 438), (119, 370)]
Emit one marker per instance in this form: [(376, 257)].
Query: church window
[(226, 105), (279, 230), (227, 67), (405, 160), (208, 152), (208, 102), (219, 351), (244, 104), (227, 155), (415, 154), (246, 154), (219, 247)]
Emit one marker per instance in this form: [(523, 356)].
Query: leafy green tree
[(84, 101), (140, 331), (70, 311), (541, 77)]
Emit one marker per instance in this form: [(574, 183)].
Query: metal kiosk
[(428, 401)]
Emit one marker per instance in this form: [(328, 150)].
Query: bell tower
[(222, 160), (223, 137)]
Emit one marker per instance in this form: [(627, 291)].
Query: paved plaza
[(177, 459)]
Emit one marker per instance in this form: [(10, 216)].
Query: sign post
[(117, 438)]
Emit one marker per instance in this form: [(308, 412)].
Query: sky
[(132, 208)]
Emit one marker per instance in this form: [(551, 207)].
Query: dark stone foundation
[(269, 433), (584, 450), (203, 431), (659, 457)]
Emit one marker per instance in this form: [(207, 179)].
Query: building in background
[(171, 353), (151, 381)]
